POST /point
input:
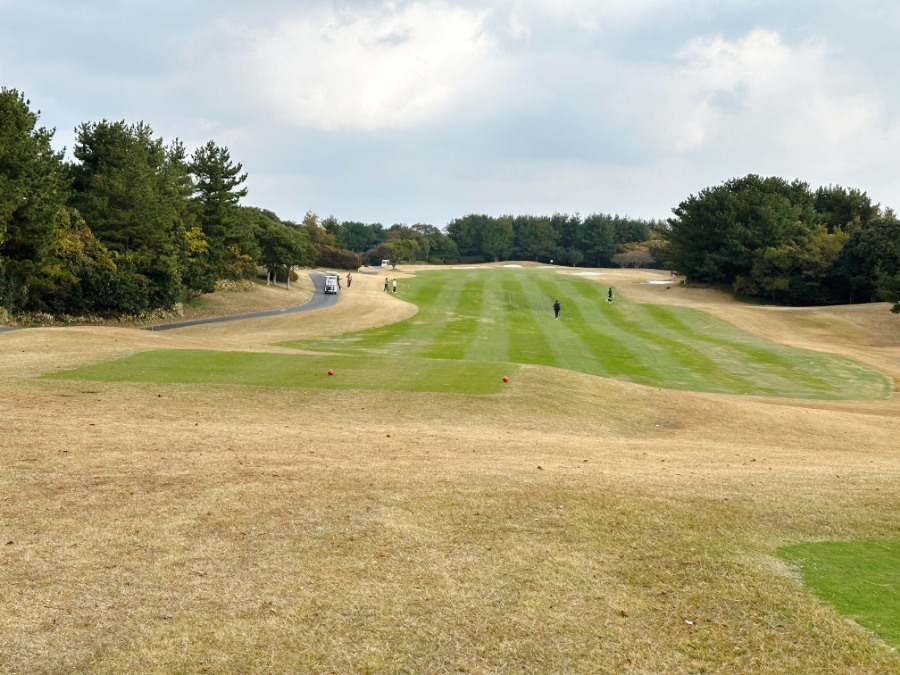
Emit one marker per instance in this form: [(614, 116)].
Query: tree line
[(567, 239), (133, 223), (766, 237), (596, 240)]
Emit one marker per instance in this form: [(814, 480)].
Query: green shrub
[(333, 258), (472, 259), (281, 275)]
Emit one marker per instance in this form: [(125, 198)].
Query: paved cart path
[(317, 301)]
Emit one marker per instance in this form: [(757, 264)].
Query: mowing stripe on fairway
[(577, 342), (615, 358), (506, 314), (526, 345), (491, 341), (684, 357), (781, 368), (453, 341)]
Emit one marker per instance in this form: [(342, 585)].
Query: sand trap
[(659, 282), (513, 266)]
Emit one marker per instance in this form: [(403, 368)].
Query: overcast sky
[(425, 111)]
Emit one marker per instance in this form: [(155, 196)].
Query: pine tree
[(33, 188), (217, 193), (130, 192)]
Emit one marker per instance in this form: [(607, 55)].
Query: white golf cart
[(332, 285)]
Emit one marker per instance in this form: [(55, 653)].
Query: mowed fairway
[(506, 315), (191, 366), (210, 523)]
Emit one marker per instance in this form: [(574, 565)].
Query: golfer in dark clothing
[(556, 308), (609, 297)]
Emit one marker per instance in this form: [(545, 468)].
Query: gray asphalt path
[(317, 301)]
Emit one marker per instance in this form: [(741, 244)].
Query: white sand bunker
[(512, 265), (659, 282)]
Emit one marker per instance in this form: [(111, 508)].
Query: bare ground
[(571, 524)]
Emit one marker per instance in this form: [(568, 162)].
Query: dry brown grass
[(364, 305), (260, 297), (571, 524)]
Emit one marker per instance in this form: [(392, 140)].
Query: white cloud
[(373, 68), (406, 110), (771, 100)]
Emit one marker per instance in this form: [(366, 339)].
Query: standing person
[(395, 285), (556, 308), (349, 279), (609, 297), (385, 283)]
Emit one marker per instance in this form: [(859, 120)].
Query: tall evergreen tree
[(497, 237), (217, 191), (848, 209), (33, 189), (284, 247), (534, 238), (598, 239), (870, 261), (466, 233), (715, 235), (360, 237), (123, 181)]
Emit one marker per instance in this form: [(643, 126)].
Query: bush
[(635, 258), (435, 261), (237, 265), (472, 259), (234, 286), (281, 275), (337, 259), (451, 261)]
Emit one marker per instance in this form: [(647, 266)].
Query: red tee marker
[(506, 379), (331, 372)]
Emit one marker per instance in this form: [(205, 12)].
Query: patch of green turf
[(859, 579), (501, 315), (300, 370)]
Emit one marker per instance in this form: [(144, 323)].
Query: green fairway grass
[(859, 579), (506, 315), (288, 370)]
